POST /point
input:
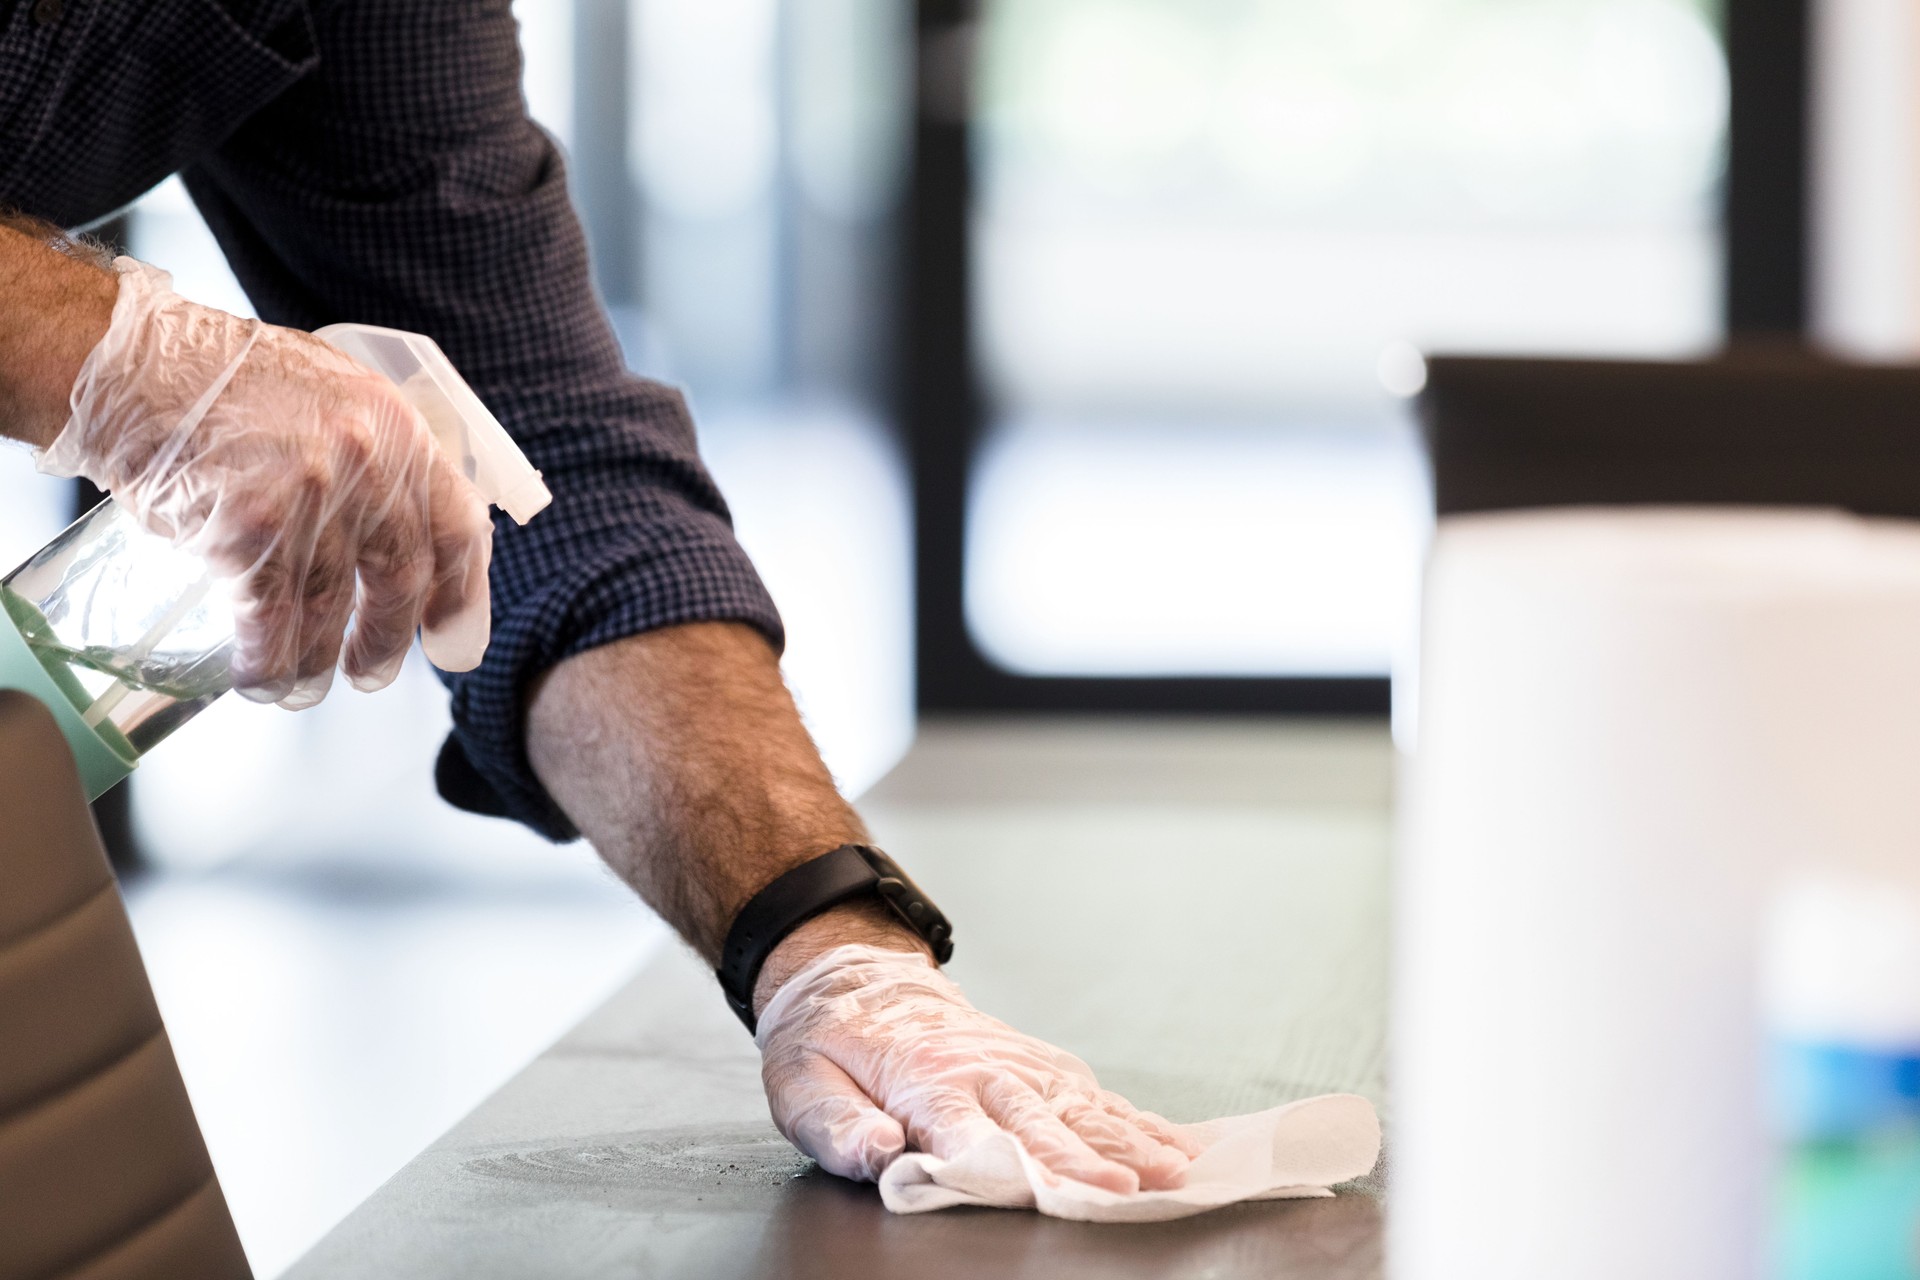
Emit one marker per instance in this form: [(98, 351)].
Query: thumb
[(824, 1113), (457, 621)]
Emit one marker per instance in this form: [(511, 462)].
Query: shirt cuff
[(562, 591)]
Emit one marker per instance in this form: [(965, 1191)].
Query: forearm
[(54, 306), (680, 755)]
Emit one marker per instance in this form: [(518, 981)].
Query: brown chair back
[(103, 1172)]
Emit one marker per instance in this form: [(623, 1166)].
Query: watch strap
[(837, 876)]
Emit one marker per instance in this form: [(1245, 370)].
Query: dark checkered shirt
[(372, 160)]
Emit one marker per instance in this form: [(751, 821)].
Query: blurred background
[(1054, 355)]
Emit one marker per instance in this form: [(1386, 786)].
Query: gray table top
[(1196, 909)]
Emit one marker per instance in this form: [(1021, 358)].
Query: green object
[(103, 754), (1851, 1209)]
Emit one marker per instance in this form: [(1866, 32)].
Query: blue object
[(1849, 1180), (1828, 1091)]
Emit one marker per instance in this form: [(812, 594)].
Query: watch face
[(910, 904)]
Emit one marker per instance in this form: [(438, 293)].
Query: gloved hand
[(294, 471), (865, 1051)]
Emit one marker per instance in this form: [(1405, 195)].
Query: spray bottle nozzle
[(470, 436)]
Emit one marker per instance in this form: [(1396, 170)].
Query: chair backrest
[(103, 1172), (1765, 427)]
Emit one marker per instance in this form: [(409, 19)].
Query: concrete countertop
[(1198, 909)]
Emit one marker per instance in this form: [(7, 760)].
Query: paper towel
[(1630, 723), (1289, 1152)]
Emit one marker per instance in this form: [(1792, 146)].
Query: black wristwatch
[(846, 873)]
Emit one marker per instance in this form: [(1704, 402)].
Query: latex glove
[(296, 472), (866, 1052)]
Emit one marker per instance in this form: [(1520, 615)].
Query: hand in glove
[(295, 472), (867, 1051)]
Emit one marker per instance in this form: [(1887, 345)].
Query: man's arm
[(402, 184), (680, 755), (631, 690), (57, 305)]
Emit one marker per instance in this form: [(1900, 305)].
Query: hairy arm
[(680, 755), (57, 305)]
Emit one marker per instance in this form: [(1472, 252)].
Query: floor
[(331, 1017)]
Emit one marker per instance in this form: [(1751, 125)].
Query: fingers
[(386, 614), (1157, 1165), (322, 620), (955, 1079), (291, 601), (1157, 1126), (395, 576), (948, 1123), (289, 616), (304, 477), (825, 1114), (1048, 1139), (266, 548), (376, 527), (457, 615)]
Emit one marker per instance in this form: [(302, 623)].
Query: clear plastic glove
[(297, 473), (867, 1052)]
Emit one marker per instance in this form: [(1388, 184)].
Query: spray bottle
[(126, 637)]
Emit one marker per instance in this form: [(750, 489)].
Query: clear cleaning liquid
[(142, 698)]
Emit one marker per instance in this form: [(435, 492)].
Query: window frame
[(942, 412)]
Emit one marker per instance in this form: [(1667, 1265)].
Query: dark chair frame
[(1763, 426)]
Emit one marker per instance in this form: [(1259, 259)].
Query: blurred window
[(1212, 238), (32, 507)]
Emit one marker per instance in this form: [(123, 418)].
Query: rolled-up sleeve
[(402, 184)]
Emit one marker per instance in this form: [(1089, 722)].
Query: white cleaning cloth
[(1288, 1153)]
